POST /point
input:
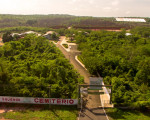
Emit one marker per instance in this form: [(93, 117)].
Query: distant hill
[(57, 21)]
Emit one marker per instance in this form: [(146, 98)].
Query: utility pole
[(79, 98), (49, 95), (69, 52), (111, 96), (69, 57)]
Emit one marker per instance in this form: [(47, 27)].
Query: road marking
[(76, 58), (104, 109)]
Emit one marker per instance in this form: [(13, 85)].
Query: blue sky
[(98, 8)]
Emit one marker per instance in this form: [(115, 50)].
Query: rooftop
[(131, 19)]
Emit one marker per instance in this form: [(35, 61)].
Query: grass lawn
[(55, 41), (80, 59), (119, 114), (74, 41), (65, 45), (58, 113)]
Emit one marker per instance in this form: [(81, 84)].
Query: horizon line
[(76, 15)]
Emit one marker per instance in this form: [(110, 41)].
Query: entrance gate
[(94, 89)]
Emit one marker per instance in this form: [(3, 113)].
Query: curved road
[(92, 109)]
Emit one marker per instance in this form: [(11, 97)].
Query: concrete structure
[(69, 28), (105, 98), (128, 34)]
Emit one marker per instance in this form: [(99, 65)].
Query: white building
[(48, 34), (131, 19), (128, 34)]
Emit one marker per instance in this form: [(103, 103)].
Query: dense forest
[(122, 60), (64, 21), (30, 64), (21, 29)]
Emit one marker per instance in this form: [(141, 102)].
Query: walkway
[(71, 57), (92, 109)]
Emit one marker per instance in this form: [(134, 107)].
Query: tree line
[(122, 60), (30, 64), (64, 21)]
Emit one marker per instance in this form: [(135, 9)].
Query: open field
[(118, 114), (38, 113)]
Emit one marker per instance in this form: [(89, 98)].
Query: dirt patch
[(4, 108), (4, 119), (1, 43)]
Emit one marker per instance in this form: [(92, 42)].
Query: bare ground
[(1, 43)]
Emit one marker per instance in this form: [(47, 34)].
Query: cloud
[(115, 2), (74, 0), (75, 9), (91, 1), (128, 12), (107, 9), (116, 9)]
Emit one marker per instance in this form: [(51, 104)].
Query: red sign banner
[(30, 100)]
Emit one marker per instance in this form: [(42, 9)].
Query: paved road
[(71, 57), (92, 109), (93, 114)]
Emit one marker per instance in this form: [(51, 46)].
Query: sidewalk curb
[(68, 50), (104, 109), (76, 58), (62, 42)]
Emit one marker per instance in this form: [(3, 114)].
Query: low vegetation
[(59, 113), (120, 114), (65, 45), (71, 41)]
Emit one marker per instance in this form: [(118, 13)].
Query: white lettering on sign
[(29, 100)]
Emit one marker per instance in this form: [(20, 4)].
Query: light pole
[(69, 56), (49, 95)]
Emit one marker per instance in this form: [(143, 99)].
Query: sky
[(96, 8)]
